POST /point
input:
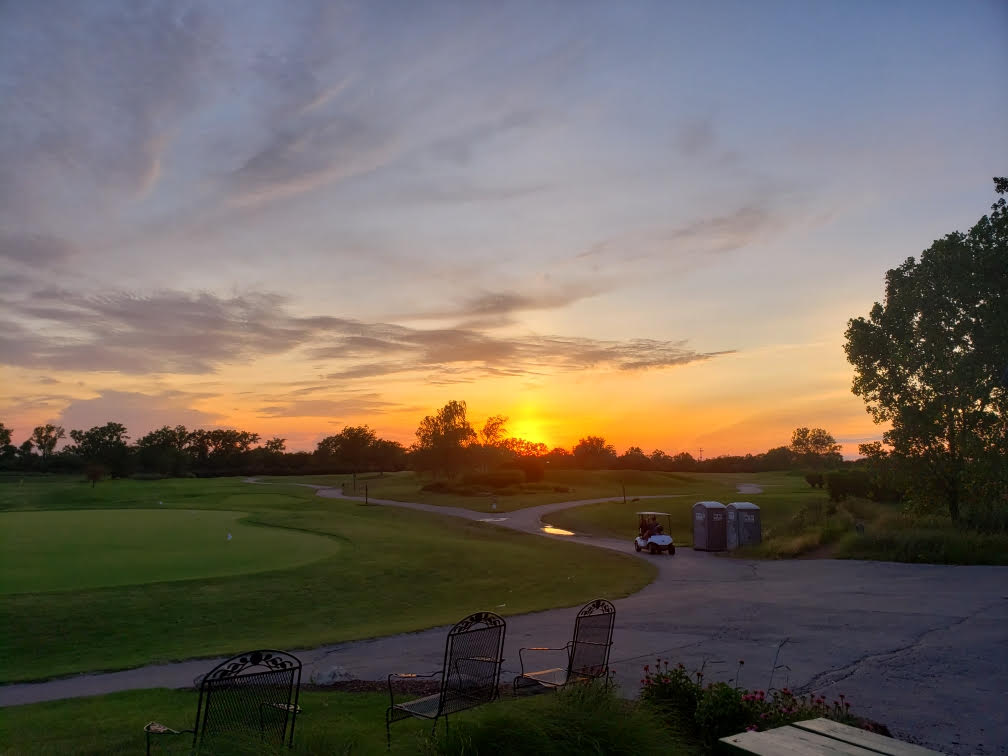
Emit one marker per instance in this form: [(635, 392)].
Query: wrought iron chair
[(587, 652), (470, 675), (252, 697)]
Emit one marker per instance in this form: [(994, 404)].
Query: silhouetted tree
[(103, 446), (928, 361), (815, 447), (594, 453), (443, 440), (45, 438)]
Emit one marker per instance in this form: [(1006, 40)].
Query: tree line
[(446, 445)]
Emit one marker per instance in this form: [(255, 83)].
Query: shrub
[(577, 720), (721, 709), (495, 478), (815, 480), (848, 483)]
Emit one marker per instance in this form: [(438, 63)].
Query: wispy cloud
[(176, 332)]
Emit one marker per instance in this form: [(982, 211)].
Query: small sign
[(700, 516), (748, 518), (717, 517)]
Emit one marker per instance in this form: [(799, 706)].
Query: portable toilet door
[(709, 531), (748, 524), (731, 527)]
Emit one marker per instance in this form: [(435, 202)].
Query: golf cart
[(654, 535)]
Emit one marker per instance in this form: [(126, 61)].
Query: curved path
[(919, 647)]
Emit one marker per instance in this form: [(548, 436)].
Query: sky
[(649, 221)]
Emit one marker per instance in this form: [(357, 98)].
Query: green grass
[(334, 723), (575, 485), (95, 548), (393, 570)]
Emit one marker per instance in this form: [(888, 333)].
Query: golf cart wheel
[(636, 546), (671, 549), (655, 549)]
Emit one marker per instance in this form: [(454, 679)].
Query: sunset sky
[(646, 221)]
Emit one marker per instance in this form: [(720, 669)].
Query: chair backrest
[(593, 628), (474, 652), (251, 697)]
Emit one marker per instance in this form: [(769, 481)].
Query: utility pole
[(701, 455)]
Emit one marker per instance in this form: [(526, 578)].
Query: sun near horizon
[(644, 221)]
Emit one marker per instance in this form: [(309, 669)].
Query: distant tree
[(7, 450), (683, 462), (660, 460), (929, 360), (351, 450), (493, 430), (559, 458), (594, 453), (45, 438), (778, 458), (103, 446), (276, 445), (165, 451), (815, 447), (94, 473), (519, 447), (388, 455), (634, 458), (443, 439)]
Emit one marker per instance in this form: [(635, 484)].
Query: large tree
[(103, 447), (443, 440), (929, 360), (815, 447), (594, 453), (352, 449), (45, 437)]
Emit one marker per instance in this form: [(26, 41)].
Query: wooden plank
[(790, 741), (870, 740)]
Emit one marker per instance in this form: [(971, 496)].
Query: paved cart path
[(923, 648)]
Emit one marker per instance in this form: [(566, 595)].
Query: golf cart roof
[(666, 514)]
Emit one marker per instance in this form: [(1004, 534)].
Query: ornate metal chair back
[(473, 656), (250, 697), (593, 629)]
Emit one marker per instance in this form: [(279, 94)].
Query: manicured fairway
[(74, 550), (384, 570)]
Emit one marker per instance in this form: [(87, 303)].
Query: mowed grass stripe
[(84, 549)]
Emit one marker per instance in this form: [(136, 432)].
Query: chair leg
[(388, 731)]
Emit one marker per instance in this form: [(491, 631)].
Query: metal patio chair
[(470, 675), (587, 651), (250, 699)]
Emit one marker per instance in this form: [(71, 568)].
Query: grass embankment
[(575, 722), (782, 496), (378, 571), (558, 485)]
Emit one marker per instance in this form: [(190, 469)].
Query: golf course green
[(68, 550)]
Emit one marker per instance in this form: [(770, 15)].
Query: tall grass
[(577, 720)]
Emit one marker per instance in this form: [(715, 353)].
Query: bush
[(849, 483), (720, 709), (495, 478), (815, 480), (577, 720)]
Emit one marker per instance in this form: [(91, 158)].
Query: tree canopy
[(929, 359)]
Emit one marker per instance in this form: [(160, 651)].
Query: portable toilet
[(743, 526), (709, 532)]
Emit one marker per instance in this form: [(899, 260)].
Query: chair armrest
[(406, 676)]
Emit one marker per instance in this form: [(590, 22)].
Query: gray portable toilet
[(743, 526), (709, 532)]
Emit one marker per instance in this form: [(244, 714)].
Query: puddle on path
[(555, 531)]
